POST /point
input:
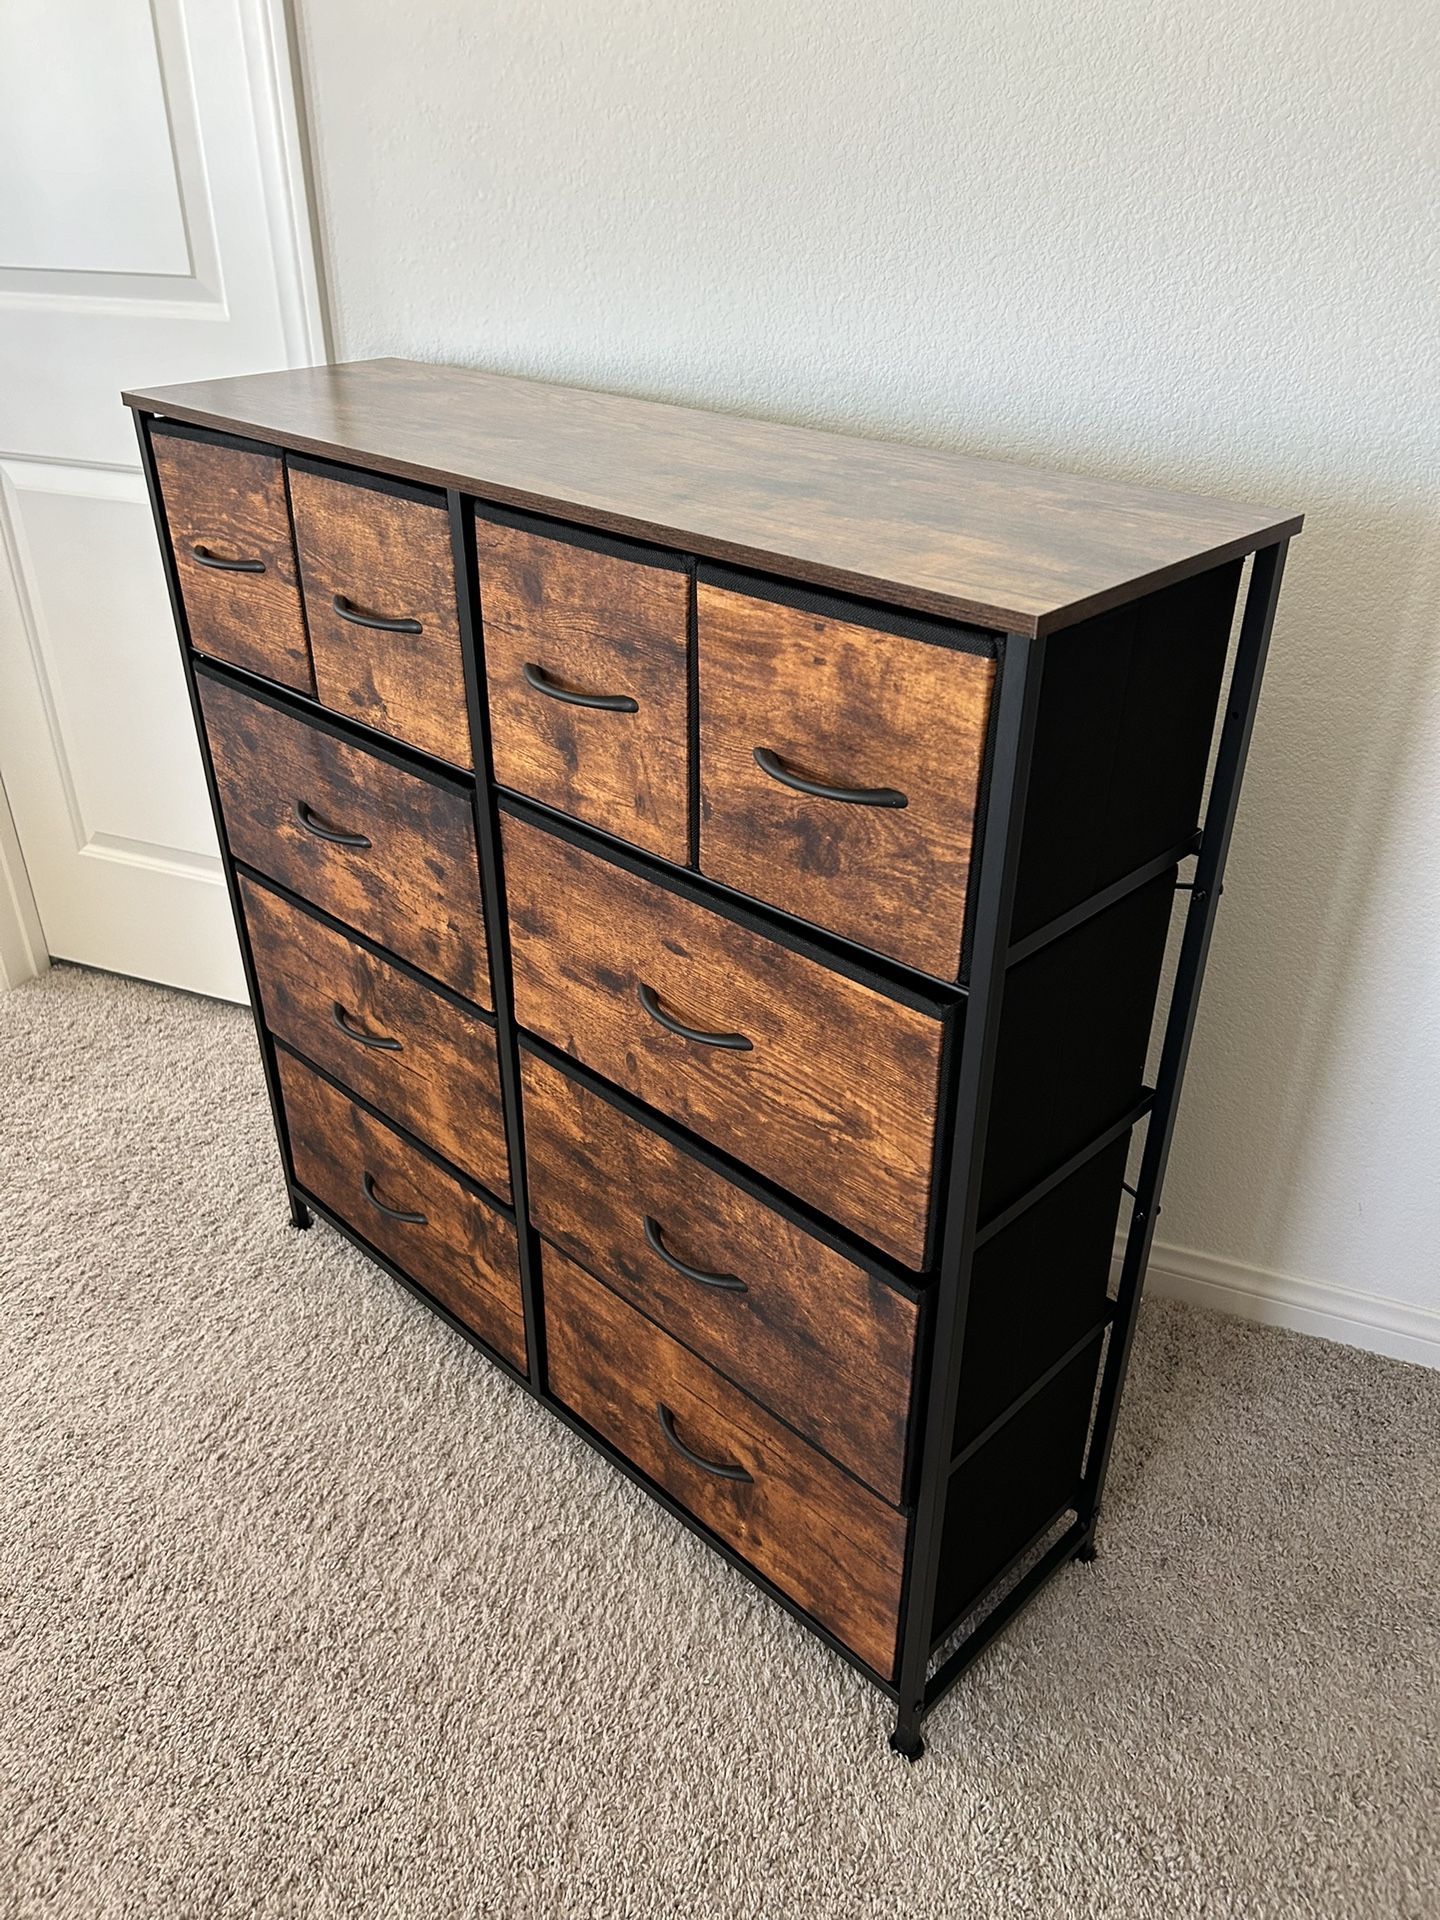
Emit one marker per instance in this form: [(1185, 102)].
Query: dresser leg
[(906, 1737), (300, 1215), (1086, 1553)]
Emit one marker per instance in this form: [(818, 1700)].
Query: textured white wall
[(1193, 244)]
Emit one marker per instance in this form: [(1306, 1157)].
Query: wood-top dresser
[(704, 889)]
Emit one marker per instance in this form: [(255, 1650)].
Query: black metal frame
[(968, 1068), (992, 953)]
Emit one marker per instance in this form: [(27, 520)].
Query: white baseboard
[(1365, 1320)]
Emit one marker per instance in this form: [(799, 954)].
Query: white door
[(153, 228)]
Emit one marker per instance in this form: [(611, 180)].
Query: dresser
[(704, 888)]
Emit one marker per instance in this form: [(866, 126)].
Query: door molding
[(276, 82), (22, 942)]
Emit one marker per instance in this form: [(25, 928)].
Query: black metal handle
[(306, 816), (537, 678), (347, 610), (737, 1042), (722, 1469), (391, 1213), (382, 1042), (852, 796), (722, 1282), (208, 559)]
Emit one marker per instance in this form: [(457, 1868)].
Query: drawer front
[(413, 885), (563, 619), (379, 583), (438, 1231), (834, 1097), (418, 1057), (834, 1548), (812, 1336), (230, 531), (896, 723)]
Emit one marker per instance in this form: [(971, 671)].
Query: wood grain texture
[(593, 623), (441, 1080), (848, 706), (836, 1098), (416, 889), (1009, 547), (232, 504), (820, 1342), (387, 556), (464, 1253), (829, 1544)]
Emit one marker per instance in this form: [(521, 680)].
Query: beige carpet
[(307, 1611)]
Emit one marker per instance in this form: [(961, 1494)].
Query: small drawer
[(841, 755), (417, 1055), (230, 532), (831, 1546), (379, 582), (586, 664), (823, 1085), (812, 1336), (444, 1236), (387, 852)]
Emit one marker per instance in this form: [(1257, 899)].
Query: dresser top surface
[(1008, 547)]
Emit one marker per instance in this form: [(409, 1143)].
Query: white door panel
[(154, 230)]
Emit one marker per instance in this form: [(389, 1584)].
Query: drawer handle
[(341, 1019), (537, 678), (306, 816), (853, 796), (723, 1470), (347, 610), (208, 559), (391, 1213), (648, 999), (722, 1282)]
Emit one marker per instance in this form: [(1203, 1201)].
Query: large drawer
[(833, 1547), (823, 1085), (454, 1244), (387, 852), (824, 1344), (586, 661), (841, 757), (419, 1056), (379, 582), (229, 527)]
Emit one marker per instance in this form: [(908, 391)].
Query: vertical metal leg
[(1240, 707), (1021, 666), (299, 1213), (497, 926)]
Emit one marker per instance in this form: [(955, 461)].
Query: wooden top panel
[(1008, 547)]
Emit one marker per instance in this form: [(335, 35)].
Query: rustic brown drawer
[(841, 764), (379, 583), (444, 1236), (825, 1086), (389, 853), (420, 1057), (833, 1547), (230, 532), (812, 1336), (586, 664)]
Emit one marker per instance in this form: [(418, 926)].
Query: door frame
[(275, 76)]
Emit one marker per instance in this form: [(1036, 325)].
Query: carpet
[(306, 1610)]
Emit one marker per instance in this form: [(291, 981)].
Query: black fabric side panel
[(1036, 1288), (1073, 1038), (1006, 1491), (1127, 712)]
